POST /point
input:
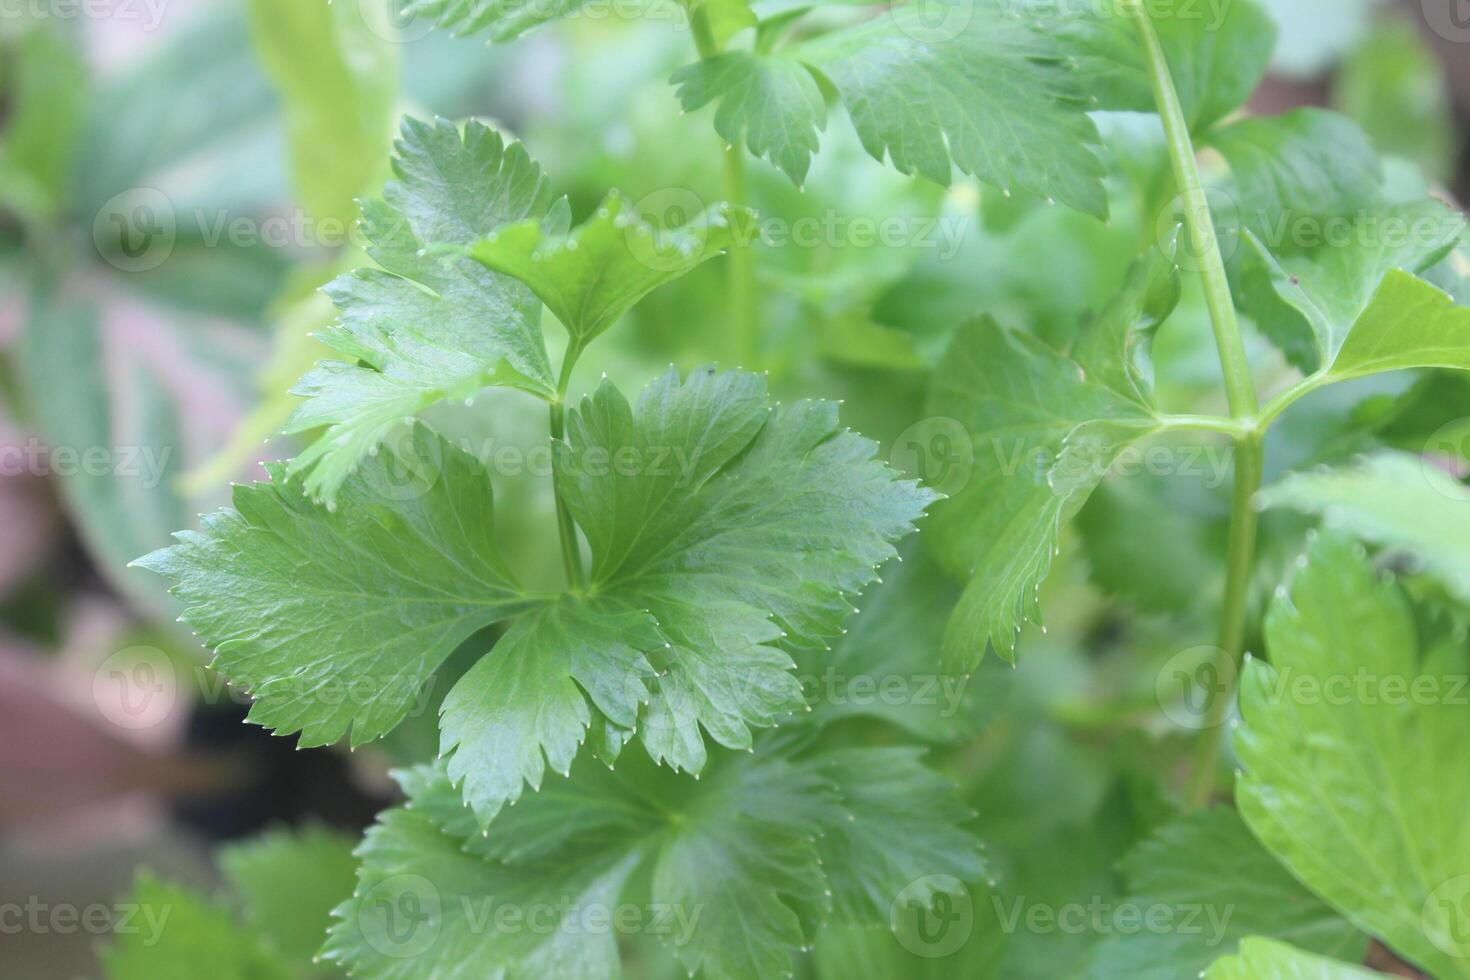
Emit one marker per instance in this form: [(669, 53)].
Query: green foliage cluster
[(672, 724)]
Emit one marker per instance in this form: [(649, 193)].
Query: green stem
[(1198, 222), (571, 551), (1240, 392), (1204, 423), (740, 282), (1272, 410), (1249, 460)]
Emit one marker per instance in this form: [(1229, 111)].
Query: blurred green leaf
[(338, 81), (46, 92), (1395, 87), (1207, 868), (1395, 500), (1265, 958), (174, 934), (288, 882)]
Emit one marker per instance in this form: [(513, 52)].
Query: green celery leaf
[(1044, 431), (504, 20), (523, 706), (740, 868), (174, 934), (720, 544), (966, 84), (1357, 280), (1351, 743), (1308, 165), (596, 273), (1217, 53), (1115, 349), (898, 818), (887, 663), (769, 102), (744, 528), (425, 907), (1409, 324), (418, 331), (1207, 867), (1394, 500), (288, 884), (1266, 959), (336, 617)]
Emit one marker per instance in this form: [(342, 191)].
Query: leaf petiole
[(1239, 389), (741, 271), (566, 527)]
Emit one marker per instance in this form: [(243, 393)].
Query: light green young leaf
[(744, 528), (177, 935), (742, 862), (769, 102), (1311, 300), (1043, 432), (1295, 172), (418, 331), (1217, 53), (338, 80), (503, 20), (46, 95), (593, 275), (1208, 861), (1409, 324), (726, 18), (288, 883), (1394, 500), (968, 85), (1266, 959), (1358, 789), (336, 618)]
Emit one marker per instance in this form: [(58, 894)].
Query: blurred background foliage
[(285, 109)]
